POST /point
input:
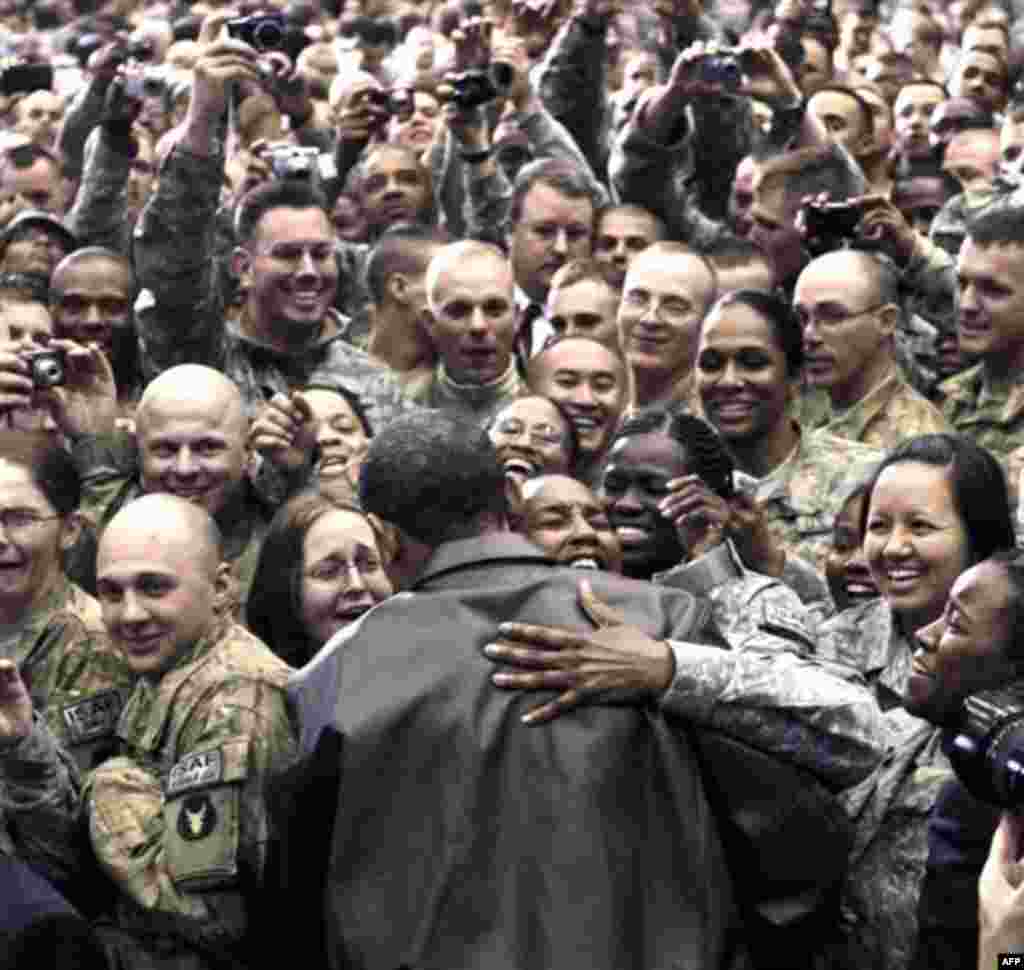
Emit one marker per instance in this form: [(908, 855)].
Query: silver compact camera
[(46, 368)]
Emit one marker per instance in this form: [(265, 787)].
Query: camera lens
[(267, 36), (47, 372)]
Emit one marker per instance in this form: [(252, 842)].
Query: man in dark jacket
[(462, 836)]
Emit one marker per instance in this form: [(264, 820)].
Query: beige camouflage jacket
[(802, 495), (886, 416), (78, 681), (179, 820), (992, 415)]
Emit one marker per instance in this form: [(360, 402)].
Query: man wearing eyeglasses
[(470, 317), (285, 262), (848, 306)]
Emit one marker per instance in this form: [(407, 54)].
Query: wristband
[(475, 158)]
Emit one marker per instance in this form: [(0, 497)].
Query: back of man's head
[(404, 250), (434, 476)]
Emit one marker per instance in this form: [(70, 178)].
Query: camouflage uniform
[(479, 403), (77, 680), (39, 797), (184, 320), (991, 413), (179, 820), (818, 716), (878, 928), (749, 609), (802, 495), (867, 638), (99, 215), (886, 416)]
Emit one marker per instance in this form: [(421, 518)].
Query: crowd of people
[(511, 484)]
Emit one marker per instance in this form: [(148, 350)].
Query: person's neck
[(397, 339), (866, 380), (282, 336), (656, 386), (760, 456), (15, 610)]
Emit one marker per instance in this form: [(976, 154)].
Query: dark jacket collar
[(467, 553)]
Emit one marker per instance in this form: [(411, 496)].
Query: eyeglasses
[(828, 317), (21, 520), (292, 253), (540, 434)]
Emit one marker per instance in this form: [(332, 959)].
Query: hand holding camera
[(74, 383)]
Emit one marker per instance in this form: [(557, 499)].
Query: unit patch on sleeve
[(196, 771)]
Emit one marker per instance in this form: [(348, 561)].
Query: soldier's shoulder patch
[(198, 770), (198, 817), (92, 717)]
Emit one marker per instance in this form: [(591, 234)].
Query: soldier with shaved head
[(191, 437), (178, 820), (470, 317)]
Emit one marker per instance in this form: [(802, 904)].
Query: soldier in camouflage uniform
[(190, 441), (986, 401), (848, 304), (178, 820), (52, 628), (287, 266)]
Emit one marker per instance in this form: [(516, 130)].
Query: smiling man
[(986, 402), (179, 822), (848, 305), (287, 264), (668, 289), (191, 432)]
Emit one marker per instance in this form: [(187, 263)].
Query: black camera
[(142, 85), (986, 749), (829, 225), (265, 32), (721, 69), (139, 50), (46, 367), (401, 103), (17, 78), (471, 89)]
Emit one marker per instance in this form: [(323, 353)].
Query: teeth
[(585, 424), (519, 465), (900, 575), (585, 563)]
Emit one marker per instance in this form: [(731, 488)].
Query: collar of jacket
[(327, 335), (502, 547), (479, 394)]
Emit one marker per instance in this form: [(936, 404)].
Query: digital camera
[(721, 69), (827, 226), (265, 32), (986, 749)]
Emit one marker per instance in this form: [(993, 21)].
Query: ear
[(888, 320), (226, 590), (241, 264), (71, 530), (398, 287)]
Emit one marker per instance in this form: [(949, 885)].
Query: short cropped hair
[(51, 468), (434, 476), (405, 249), (563, 176), (277, 194), (997, 225), (811, 171)]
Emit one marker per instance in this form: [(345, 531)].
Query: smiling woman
[(935, 506), (321, 567)]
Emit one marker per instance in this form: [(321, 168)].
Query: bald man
[(849, 309), (668, 290), (191, 431), (178, 822), (470, 317)]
